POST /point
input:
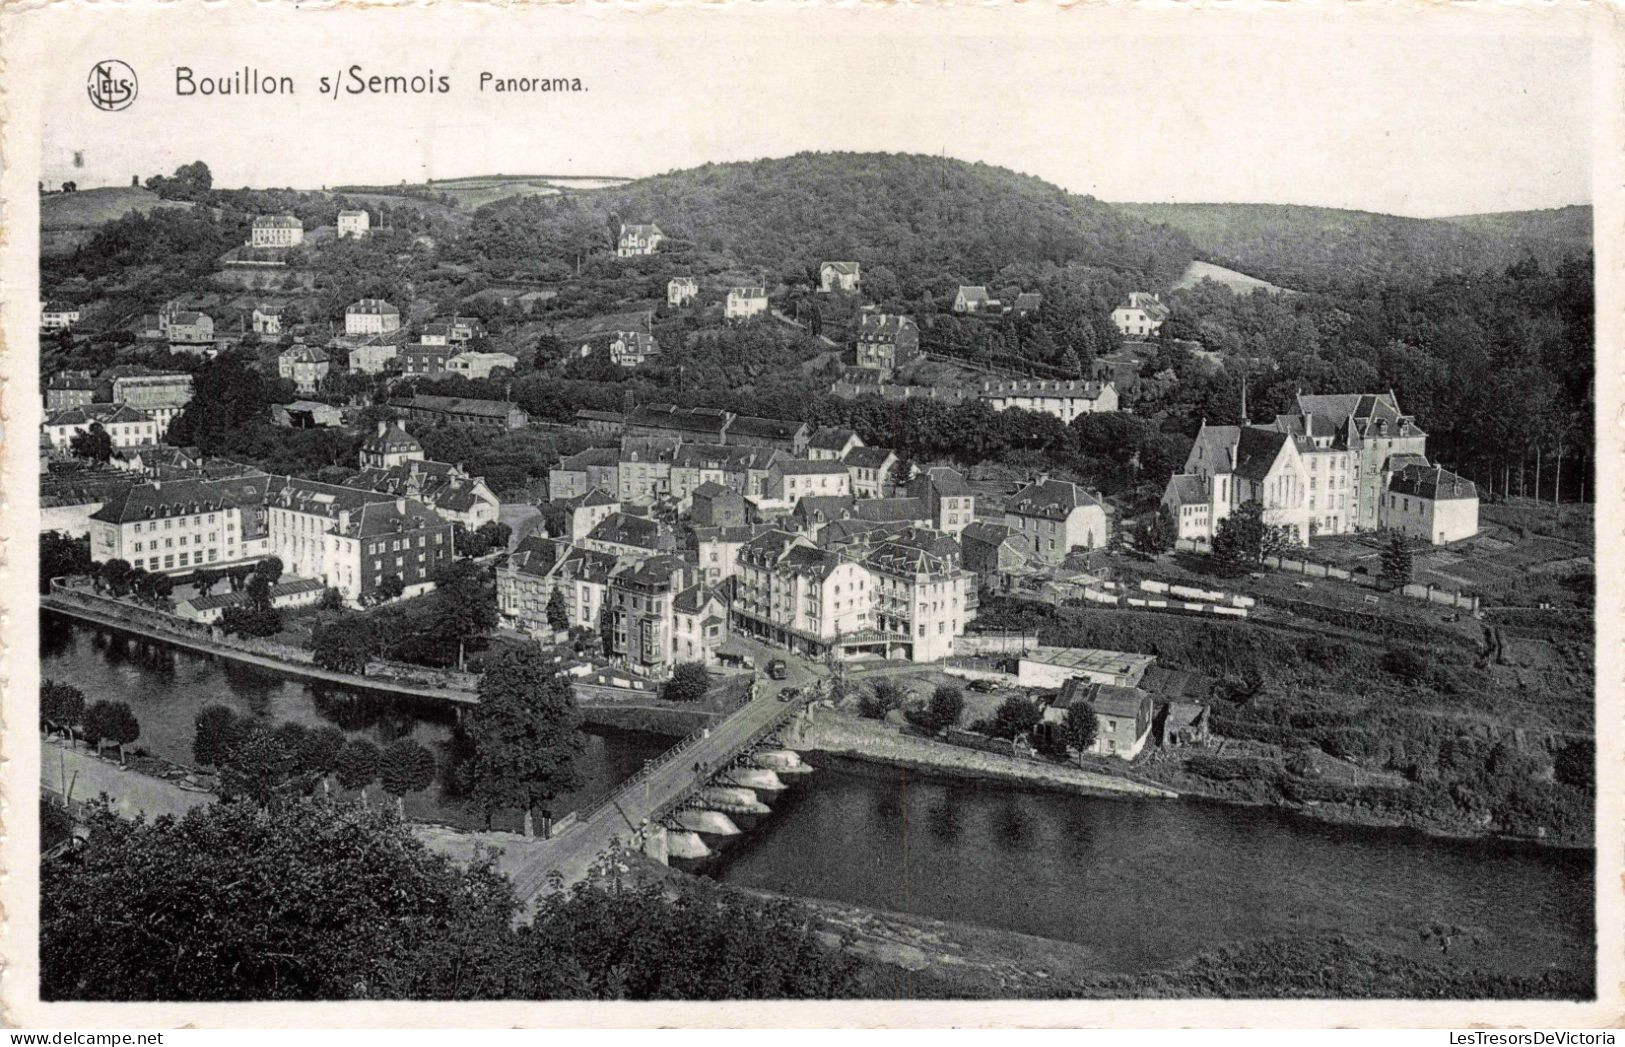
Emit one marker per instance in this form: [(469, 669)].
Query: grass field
[(1240, 283), (89, 208)]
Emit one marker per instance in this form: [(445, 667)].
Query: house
[(1122, 716), (1426, 502), (305, 414), (635, 240), (418, 358), (952, 501), (871, 469), (1028, 303), (601, 423), (989, 549), (305, 365), (921, 596), (160, 396), (445, 488), (292, 592), (793, 479), (1238, 464), (1189, 501), (484, 414), (625, 534), (538, 568), (70, 389), (750, 431), (632, 348), (973, 300), (1065, 400), (266, 320), (828, 442), (791, 593), (58, 316), (745, 303), (839, 276), (644, 469), (481, 365), (703, 424), (1054, 666), (576, 474), (699, 624), (1053, 517), (371, 354), (585, 512), (371, 316), (389, 446), (681, 290), (125, 426), (354, 224), (716, 550), (459, 330), (185, 328), (642, 607), (885, 342), (1141, 316), (276, 230), (717, 506), (1377, 438)]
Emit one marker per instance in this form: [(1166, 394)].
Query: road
[(572, 853)]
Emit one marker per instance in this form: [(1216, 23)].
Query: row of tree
[(63, 709)]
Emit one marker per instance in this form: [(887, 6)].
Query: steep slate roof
[(649, 229), (712, 489), (868, 457), (803, 467), (882, 327), (891, 510), (765, 428), (747, 292), (664, 416), (989, 533), (393, 440), (840, 267), (1051, 499), (1028, 300), (151, 501), (949, 481), (304, 354), (1104, 698), (831, 438), (1186, 489), (455, 405), (106, 414), (593, 456), (973, 294), (824, 506), (1256, 451), (1432, 482), (277, 221), (371, 306), (695, 599), (896, 558), (626, 529)]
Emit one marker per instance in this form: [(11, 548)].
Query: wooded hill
[(1321, 248), (931, 222)]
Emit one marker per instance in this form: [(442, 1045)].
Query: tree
[(215, 731), (606, 628), (1081, 726), (319, 753), (901, 472), (357, 765), (1015, 718), (522, 737), (464, 605), (260, 761), (885, 696), (1397, 566), (62, 555), (236, 902), (270, 569), (251, 620), (259, 592), (203, 581), (93, 443), (111, 722), (346, 644), (1244, 539), (1156, 535), (115, 574), (496, 534), (942, 710), (61, 707), (405, 767), (558, 616), (689, 682)]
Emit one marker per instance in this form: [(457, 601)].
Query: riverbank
[(874, 741)]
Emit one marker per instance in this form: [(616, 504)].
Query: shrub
[(1405, 664), (883, 698)]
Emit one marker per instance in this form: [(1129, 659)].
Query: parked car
[(983, 686), (789, 694), (777, 670)]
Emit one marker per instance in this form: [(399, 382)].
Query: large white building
[(1050, 518), (745, 303), (1142, 316), (637, 240), (276, 230), (159, 396), (125, 426), (354, 224), (304, 365), (1065, 400), (371, 316)]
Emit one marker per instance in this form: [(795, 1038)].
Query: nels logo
[(111, 86)]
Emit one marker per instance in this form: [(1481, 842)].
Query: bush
[(883, 698), (1015, 718), (943, 710), (1405, 664), (688, 683)]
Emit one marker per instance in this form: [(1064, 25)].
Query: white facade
[(745, 303), (54, 317), (371, 316), (1064, 400), (480, 365), (681, 291), (280, 230), (354, 224)]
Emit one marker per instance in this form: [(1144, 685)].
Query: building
[(780, 434), (636, 240), (644, 469), (371, 316), (305, 414), (125, 426), (58, 316), (745, 303), (481, 365), (951, 501), (419, 358), (632, 348), (716, 550), (372, 354), (717, 506), (160, 396), (1239, 464), (186, 329), (585, 512), (354, 224), (829, 442), (70, 389), (1053, 517), (871, 469), (681, 290), (459, 330), (1189, 500), (1065, 400), (885, 343), (989, 549), (391, 445), (305, 365), (296, 592), (642, 607), (740, 469), (459, 410), (793, 479), (538, 567), (699, 624), (443, 487), (1054, 666), (1380, 440), (1141, 316), (266, 320), (576, 474), (791, 593), (1122, 716), (1426, 502), (973, 300), (601, 423), (839, 276), (629, 535), (1028, 303), (276, 230), (920, 596)]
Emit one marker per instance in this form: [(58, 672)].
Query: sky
[(1436, 114)]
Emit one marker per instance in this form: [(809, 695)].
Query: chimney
[(400, 506), (383, 427), (344, 520)]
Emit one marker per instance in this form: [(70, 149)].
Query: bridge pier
[(654, 843)]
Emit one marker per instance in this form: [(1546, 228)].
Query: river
[(1143, 884), (166, 688)]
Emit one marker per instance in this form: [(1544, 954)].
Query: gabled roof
[(949, 481), (882, 327), (1051, 499), (804, 467), (869, 457), (891, 510), (1257, 449), (647, 230), (987, 533), (712, 489), (393, 440), (1028, 300), (972, 294), (277, 221), (695, 599), (832, 438), (371, 306), (1186, 489), (747, 292), (455, 405), (1104, 698), (106, 414), (765, 428), (304, 354), (626, 529), (600, 457), (1432, 482), (843, 268)]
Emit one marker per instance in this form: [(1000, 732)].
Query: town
[(559, 454)]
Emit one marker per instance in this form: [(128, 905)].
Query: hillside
[(93, 207), (1317, 248), (930, 222)]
